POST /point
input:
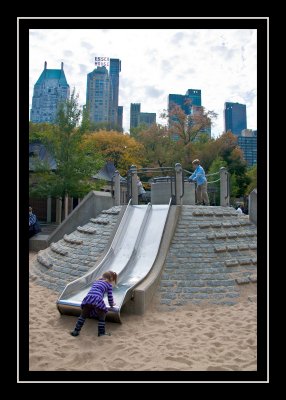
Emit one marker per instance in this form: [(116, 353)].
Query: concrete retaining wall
[(89, 207), (252, 206)]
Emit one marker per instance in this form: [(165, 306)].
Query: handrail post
[(179, 184), (116, 188), (59, 210), (49, 209), (134, 189), (224, 187)]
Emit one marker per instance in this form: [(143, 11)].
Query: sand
[(194, 338)]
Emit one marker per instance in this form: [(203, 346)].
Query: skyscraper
[(98, 95), (191, 98), (137, 118), (247, 141), (195, 97), (134, 114), (235, 117), (147, 118), (103, 90), (50, 89), (120, 117), (175, 100), (114, 69)]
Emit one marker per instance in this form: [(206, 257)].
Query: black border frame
[(262, 26)]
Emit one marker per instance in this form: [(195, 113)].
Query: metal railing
[(171, 177), (169, 174)]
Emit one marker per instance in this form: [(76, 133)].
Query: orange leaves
[(119, 148)]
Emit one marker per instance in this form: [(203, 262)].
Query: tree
[(214, 188), (188, 126), (86, 124), (136, 131), (234, 187), (237, 167), (121, 149), (252, 175), (230, 152), (226, 143), (159, 149), (104, 126), (74, 166), (38, 131)]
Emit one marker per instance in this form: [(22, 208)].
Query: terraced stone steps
[(212, 252), (100, 221), (74, 255)]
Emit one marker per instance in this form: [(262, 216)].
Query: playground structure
[(131, 255), (141, 241)]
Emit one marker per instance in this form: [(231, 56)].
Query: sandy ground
[(205, 338)]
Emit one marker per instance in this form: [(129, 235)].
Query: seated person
[(141, 191), (34, 226), (239, 210)]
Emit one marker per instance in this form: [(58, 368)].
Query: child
[(93, 304)]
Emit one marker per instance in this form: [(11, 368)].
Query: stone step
[(241, 261), (72, 239), (100, 221), (231, 235), (246, 279), (55, 247), (111, 211), (45, 261), (86, 229)]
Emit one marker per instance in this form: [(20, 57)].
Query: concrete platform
[(38, 242)]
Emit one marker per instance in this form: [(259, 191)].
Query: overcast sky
[(154, 63)]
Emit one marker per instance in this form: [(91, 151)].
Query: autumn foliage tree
[(159, 148), (121, 149), (188, 126)]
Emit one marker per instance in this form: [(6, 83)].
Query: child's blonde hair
[(110, 276)]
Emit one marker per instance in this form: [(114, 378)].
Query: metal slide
[(131, 255)]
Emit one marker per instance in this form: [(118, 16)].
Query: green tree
[(86, 124), (39, 131), (104, 126), (252, 175), (74, 166), (136, 131), (213, 186), (234, 187), (236, 165), (159, 149)]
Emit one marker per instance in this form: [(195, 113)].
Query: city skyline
[(155, 63)]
